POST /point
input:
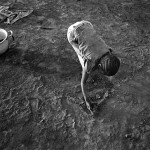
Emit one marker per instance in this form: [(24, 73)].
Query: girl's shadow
[(99, 100)]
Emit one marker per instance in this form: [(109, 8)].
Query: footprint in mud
[(84, 107), (96, 104), (95, 108)]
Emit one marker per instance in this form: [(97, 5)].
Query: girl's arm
[(85, 75)]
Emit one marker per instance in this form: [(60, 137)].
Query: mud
[(40, 94)]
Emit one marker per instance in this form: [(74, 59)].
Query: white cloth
[(90, 46)]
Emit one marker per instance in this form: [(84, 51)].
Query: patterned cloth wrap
[(108, 64)]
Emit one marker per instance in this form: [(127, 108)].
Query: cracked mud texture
[(40, 79)]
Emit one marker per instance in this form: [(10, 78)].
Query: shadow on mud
[(37, 63)]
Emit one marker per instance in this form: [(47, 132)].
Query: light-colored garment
[(90, 45)]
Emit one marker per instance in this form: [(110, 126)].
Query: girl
[(92, 51)]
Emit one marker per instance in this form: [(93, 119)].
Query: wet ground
[(40, 93)]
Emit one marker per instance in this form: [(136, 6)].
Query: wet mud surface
[(40, 94)]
